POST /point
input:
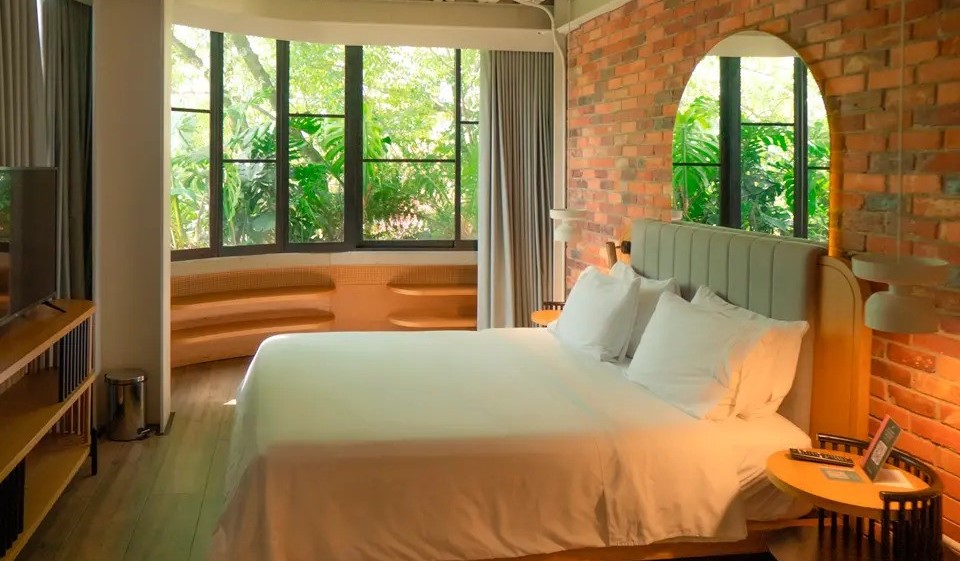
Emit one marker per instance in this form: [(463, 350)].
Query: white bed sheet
[(458, 445)]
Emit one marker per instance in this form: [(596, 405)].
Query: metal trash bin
[(126, 404)]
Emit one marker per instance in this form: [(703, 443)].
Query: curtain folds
[(66, 49), (516, 187), (23, 141)]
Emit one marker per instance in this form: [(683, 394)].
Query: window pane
[(818, 150), (189, 180), (249, 97), (317, 78), (696, 134), (408, 201), (249, 203), (470, 84), (818, 205), (766, 89), (408, 99), (469, 164), (767, 179), (697, 193), (190, 71), (316, 179)]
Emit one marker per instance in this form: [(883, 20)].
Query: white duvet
[(462, 445)]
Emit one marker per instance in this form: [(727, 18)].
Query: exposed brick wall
[(627, 71)]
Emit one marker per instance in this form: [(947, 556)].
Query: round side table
[(544, 317), (868, 520)]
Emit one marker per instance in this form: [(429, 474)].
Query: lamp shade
[(898, 309), (566, 230)]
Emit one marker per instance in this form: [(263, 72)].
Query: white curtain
[(23, 126), (516, 187)]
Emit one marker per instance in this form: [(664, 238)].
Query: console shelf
[(46, 407)]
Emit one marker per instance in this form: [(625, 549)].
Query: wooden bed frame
[(839, 405)]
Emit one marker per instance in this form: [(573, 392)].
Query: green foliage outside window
[(409, 113), (766, 149)]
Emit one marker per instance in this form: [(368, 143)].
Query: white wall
[(131, 193), (371, 22)]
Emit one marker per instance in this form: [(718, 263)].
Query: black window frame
[(731, 125), (353, 165)]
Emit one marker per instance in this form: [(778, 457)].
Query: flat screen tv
[(28, 239)]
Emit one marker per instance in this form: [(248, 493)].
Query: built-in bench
[(419, 319), (233, 323), (218, 315)]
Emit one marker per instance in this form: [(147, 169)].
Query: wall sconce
[(611, 249), (566, 229), (899, 309)]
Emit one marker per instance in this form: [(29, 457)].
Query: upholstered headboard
[(777, 277)]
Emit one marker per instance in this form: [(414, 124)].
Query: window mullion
[(353, 146), (730, 172), (216, 143), (283, 145), (800, 157), (457, 145)]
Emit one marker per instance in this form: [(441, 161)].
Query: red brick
[(824, 32), (878, 388), (917, 446), (864, 20), (941, 162), (950, 461), (844, 85), (949, 231), (866, 142), (917, 140), (891, 372), (943, 344), (911, 357), (933, 386), (916, 52), (883, 79), (951, 529), (936, 432), (951, 139), (948, 93), (912, 401), (936, 206), (865, 182), (921, 183), (937, 71)]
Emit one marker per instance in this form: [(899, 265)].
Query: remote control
[(820, 457)]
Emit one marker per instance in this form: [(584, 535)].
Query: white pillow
[(598, 315), (769, 373), (692, 357), (648, 295)]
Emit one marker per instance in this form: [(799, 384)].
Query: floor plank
[(166, 527), (158, 498)]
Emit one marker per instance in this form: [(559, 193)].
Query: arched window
[(739, 124)]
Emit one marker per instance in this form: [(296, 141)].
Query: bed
[(505, 443)]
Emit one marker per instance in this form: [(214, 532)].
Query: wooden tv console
[(46, 414)]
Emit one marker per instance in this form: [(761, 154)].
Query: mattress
[(755, 441), (473, 445)]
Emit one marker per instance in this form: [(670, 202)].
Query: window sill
[(277, 260)]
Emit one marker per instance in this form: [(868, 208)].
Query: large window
[(736, 160), (290, 146)]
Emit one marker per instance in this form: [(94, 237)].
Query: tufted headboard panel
[(773, 276)]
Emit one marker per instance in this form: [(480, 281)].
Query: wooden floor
[(157, 499)]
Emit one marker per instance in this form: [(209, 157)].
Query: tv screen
[(28, 239)]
